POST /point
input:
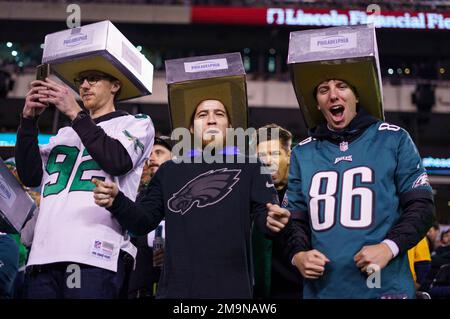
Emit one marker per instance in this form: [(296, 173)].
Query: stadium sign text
[(396, 20), (418, 20)]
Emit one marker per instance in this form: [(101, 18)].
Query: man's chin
[(88, 103), (338, 126), (212, 140)]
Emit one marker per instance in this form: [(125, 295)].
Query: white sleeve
[(136, 133), (392, 246)]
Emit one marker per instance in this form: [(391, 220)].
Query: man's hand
[(311, 263), (158, 257), (33, 106), (104, 193), (277, 217), (379, 254), (59, 95)]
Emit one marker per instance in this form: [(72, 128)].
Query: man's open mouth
[(337, 110)]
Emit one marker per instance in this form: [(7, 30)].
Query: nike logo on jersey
[(269, 185), (347, 158)]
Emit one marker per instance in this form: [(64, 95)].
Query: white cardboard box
[(16, 206), (99, 46), (348, 53), (194, 79)]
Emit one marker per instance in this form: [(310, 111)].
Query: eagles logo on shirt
[(136, 141), (204, 190)]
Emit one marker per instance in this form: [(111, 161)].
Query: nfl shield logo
[(343, 146)]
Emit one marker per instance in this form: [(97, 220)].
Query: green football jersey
[(351, 193)]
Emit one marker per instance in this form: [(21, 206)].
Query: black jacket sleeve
[(141, 217), (297, 234), (417, 218), (28, 157), (260, 196), (108, 152)]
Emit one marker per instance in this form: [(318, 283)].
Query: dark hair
[(267, 133), (191, 122), (113, 79), (445, 232), (164, 141), (355, 91)]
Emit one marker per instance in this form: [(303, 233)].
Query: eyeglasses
[(92, 79)]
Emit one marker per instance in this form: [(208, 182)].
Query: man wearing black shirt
[(209, 209)]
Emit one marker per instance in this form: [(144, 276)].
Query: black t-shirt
[(208, 209)]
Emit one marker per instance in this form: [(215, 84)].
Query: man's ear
[(191, 129), (115, 86), (289, 157)]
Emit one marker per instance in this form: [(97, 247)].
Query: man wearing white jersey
[(79, 250)]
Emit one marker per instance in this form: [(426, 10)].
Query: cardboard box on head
[(16, 206), (215, 77), (345, 53), (102, 47)]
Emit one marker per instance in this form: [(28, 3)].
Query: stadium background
[(415, 60)]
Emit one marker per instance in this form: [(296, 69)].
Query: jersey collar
[(110, 116)]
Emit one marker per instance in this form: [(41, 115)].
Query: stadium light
[(247, 63), (271, 65)]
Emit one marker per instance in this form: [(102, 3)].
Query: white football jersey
[(70, 226)]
